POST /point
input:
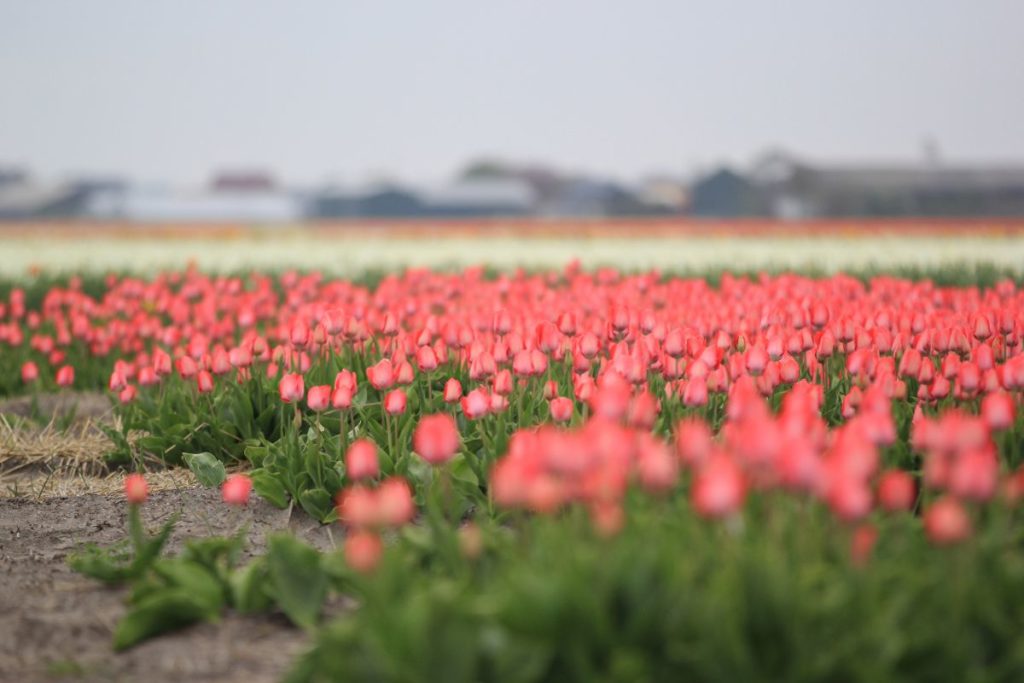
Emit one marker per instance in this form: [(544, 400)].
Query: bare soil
[(78, 406), (57, 625)]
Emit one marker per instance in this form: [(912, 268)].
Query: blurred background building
[(778, 185), (782, 186)]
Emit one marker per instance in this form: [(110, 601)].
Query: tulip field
[(554, 474)]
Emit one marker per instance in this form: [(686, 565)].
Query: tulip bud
[(363, 550), (361, 460), (136, 490), (235, 489)]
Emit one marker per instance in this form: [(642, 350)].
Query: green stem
[(135, 530)]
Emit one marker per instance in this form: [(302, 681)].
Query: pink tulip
[(363, 551), (65, 376), (29, 372), (361, 460), (204, 381), (719, 488), (395, 402), (561, 409), (319, 398), (436, 438), (136, 490), (235, 489), (292, 388), (896, 491), (381, 376), (452, 390), (946, 522)]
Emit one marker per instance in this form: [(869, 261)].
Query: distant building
[(780, 186), (469, 198), (165, 206), (13, 176), (243, 181), (35, 201), (583, 197), (483, 198), (667, 194), (725, 194), (374, 202)]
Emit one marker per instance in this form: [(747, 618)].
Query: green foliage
[(674, 598), (158, 613), (169, 593), (298, 583), (123, 562), (208, 470)]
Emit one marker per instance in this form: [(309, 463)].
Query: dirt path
[(57, 625)]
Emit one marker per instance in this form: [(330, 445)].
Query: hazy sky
[(353, 90)]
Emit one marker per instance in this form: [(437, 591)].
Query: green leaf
[(203, 586), (159, 613), (208, 469), (462, 470), (256, 454), (317, 503), (152, 547), (249, 588), (117, 564), (298, 582), (269, 488), (109, 565), (216, 553)]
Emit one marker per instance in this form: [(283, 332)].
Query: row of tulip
[(474, 417)]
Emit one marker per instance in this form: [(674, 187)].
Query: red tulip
[(292, 388), (946, 522), (117, 381), (896, 490), (395, 505), (363, 550), (404, 374), (862, 543), (426, 359), (204, 381), (476, 404), (381, 376), (220, 363), (361, 460), (29, 372), (240, 357), (849, 498), (696, 393), (187, 367), (719, 488), (136, 490), (452, 390), (319, 398), (394, 402), (161, 362), (299, 334), (503, 383), (357, 507), (561, 409), (436, 438), (346, 379), (65, 376), (998, 411), (235, 489)]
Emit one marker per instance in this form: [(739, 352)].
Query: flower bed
[(569, 475)]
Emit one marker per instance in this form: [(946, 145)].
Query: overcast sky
[(412, 89)]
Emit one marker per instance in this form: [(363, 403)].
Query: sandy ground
[(57, 625)]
